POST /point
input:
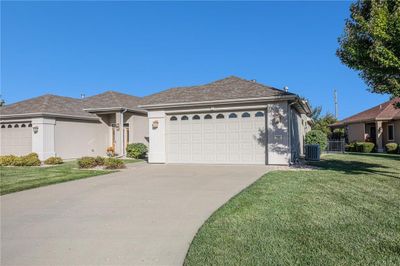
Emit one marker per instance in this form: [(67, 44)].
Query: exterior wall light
[(155, 124), (35, 129)]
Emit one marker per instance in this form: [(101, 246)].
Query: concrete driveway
[(144, 215)]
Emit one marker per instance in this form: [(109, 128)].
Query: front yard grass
[(13, 179), (345, 213)]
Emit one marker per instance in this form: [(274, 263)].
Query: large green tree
[(371, 44)]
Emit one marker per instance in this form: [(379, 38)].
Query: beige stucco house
[(379, 124), (229, 121)]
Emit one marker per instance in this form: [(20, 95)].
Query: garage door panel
[(225, 140), (16, 140)]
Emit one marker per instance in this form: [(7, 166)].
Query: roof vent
[(286, 88), (253, 80), (83, 96)]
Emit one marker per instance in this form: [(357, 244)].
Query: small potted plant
[(110, 151)]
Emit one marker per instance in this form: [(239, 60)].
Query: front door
[(372, 133)]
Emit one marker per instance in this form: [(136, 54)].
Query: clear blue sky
[(69, 48)]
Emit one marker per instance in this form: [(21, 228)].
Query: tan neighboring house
[(380, 125), (229, 121)]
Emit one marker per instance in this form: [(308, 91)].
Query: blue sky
[(69, 48)]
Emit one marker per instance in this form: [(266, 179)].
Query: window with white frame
[(390, 132)]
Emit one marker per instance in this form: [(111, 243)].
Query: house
[(380, 125), (229, 121)]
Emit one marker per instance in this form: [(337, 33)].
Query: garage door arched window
[(207, 117), (3, 126), (184, 117), (259, 114), (16, 126), (9, 126), (23, 125), (196, 117), (245, 115), (220, 116), (232, 115), (173, 118), (30, 125)]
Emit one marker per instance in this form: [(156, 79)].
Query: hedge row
[(31, 159), (109, 163)]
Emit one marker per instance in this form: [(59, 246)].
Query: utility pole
[(336, 103)]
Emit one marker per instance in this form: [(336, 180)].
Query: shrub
[(136, 150), (317, 137), (7, 160), (350, 147), (53, 160), (99, 160), (366, 147), (31, 159), (113, 163), (391, 147), (87, 162)]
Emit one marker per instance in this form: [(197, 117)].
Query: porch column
[(43, 137), (119, 134), (379, 139)]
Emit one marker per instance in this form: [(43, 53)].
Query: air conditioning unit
[(313, 152)]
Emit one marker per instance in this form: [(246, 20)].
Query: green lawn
[(15, 179), (345, 213)]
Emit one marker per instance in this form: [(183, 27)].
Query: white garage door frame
[(192, 138), (16, 138)]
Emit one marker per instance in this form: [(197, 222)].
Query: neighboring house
[(229, 121), (380, 125)]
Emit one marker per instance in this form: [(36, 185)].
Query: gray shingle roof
[(228, 88), (50, 104), (112, 99)]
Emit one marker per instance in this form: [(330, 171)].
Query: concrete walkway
[(144, 215)]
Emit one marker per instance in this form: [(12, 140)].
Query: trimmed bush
[(99, 160), (317, 137), (113, 163), (366, 147), (7, 160), (87, 162), (31, 159), (391, 147), (53, 160), (136, 150), (350, 147)]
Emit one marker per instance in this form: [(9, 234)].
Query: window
[(184, 117), (391, 132), (9, 126), (23, 125), (30, 125), (259, 114), (3, 126), (196, 117), (245, 115), (220, 116), (173, 118), (207, 117), (16, 125), (233, 115)]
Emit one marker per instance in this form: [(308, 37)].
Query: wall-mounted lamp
[(155, 124), (35, 129)]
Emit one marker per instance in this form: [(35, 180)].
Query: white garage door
[(16, 139), (216, 138)]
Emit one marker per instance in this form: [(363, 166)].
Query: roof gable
[(110, 99)]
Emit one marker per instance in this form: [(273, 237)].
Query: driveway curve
[(143, 215)]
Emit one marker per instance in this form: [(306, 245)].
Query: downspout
[(290, 130)]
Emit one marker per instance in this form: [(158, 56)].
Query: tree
[(371, 44), (323, 123)]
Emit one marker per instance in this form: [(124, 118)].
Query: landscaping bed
[(345, 213)]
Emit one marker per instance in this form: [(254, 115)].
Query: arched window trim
[(196, 117), (184, 118), (208, 116), (173, 118), (245, 115), (232, 115), (23, 125), (220, 116), (3, 126), (9, 126), (259, 114), (30, 125), (16, 126)]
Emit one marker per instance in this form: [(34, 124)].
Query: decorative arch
[(207, 116), (220, 116), (184, 117), (173, 118), (3, 126), (259, 114), (23, 125), (232, 115), (16, 126), (245, 115)]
